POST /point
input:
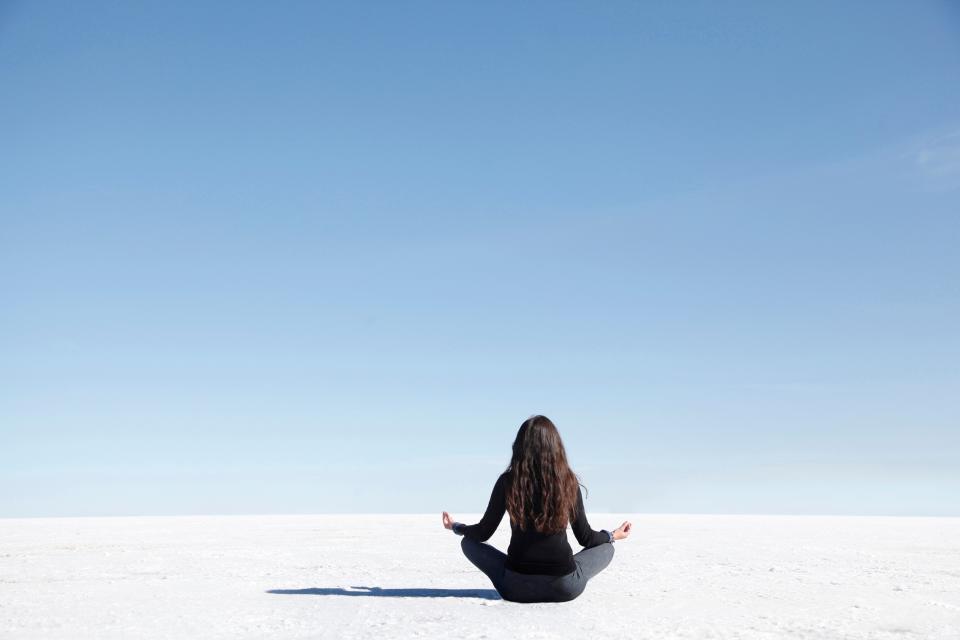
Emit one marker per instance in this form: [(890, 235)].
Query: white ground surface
[(400, 576)]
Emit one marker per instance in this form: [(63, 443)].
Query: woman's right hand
[(622, 531)]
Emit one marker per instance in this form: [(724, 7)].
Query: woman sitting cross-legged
[(542, 495)]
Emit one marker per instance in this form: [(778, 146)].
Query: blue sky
[(326, 257)]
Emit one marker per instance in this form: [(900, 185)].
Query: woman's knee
[(609, 553), (595, 559), (471, 548)]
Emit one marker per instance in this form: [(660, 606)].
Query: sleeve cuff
[(458, 528), (610, 534)]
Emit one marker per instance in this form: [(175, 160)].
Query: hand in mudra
[(622, 531), (447, 521)]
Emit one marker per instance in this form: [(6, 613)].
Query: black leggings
[(522, 587)]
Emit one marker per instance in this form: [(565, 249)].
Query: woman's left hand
[(447, 521)]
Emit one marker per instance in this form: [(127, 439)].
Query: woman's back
[(532, 551)]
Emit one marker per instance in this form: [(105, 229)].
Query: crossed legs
[(492, 562)]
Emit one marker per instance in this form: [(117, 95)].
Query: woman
[(542, 494)]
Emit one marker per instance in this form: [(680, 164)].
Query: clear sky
[(327, 257)]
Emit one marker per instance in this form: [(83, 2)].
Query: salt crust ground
[(400, 576)]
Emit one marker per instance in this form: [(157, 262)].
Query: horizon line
[(478, 514)]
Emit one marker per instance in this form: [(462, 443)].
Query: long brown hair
[(542, 489)]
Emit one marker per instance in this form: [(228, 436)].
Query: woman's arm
[(488, 524), (586, 536)]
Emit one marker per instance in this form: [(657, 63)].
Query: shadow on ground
[(377, 592)]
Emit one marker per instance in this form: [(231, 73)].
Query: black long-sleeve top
[(531, 551)]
